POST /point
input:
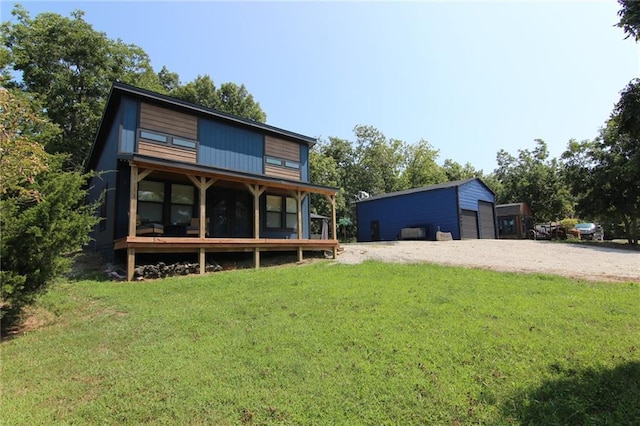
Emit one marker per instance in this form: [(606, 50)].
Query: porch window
[(150, 201), (281, 212), (182, 198)]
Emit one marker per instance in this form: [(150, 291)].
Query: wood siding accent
[(291, 174), (166, 152), (279, 148), (168, 121)]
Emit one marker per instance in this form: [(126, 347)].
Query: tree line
[(55, 76)]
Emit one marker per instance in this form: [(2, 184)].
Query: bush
[(39, 236)]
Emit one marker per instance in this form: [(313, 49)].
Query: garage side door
[(487, 223), (469, 222)]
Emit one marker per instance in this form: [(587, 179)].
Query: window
[(150, 200), (292, 164), (154, 200), (274, 211), (158, 137), (184, 143), (274, 161), (292, 213), (281, 212), (507, 225), (152, 136), (182, 197)]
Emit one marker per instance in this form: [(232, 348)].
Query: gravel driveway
[(591, 262)]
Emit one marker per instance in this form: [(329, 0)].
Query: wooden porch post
[(332, 199), (134, 179), (299, 196), (202, 184), (133, 200), (256, 190)]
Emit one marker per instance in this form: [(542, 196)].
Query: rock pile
[(162, 270)]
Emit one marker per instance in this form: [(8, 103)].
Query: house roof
[(452, 184), (512, 209), (120, 90)]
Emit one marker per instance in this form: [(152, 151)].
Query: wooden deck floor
[(164, 244)]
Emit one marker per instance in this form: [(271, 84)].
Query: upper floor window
[(163, 138), (282, 162)]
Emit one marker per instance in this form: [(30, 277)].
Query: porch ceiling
[(156, 164)]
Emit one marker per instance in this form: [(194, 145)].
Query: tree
[(456, 171), (329, 163), (43, 216), (229, 98), (630, 18), (378, 162), (69, 67), (23, 132), (421, 168), (234, 99), (533, 178)]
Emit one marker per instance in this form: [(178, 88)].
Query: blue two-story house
[(178, 177)]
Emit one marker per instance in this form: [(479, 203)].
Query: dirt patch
[(590, 262)]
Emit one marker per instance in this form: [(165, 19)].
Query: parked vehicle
[(589, 231), (548, 232)]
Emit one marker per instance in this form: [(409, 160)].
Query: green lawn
[(330, 344)]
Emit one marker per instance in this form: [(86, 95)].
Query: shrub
[(39, 236)]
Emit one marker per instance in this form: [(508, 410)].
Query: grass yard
[(330, 344)]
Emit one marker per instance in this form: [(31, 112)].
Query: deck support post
[(300, 254), (256, 258), (202, 259), (131, 263)]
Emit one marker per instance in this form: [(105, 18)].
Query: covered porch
[(207, 236)]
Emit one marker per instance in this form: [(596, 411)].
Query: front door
[(232, 214)]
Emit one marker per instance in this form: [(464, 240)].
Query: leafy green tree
[(200, 91), (22, 136), (329, 164), (70, 67), (237, 100), (456, 171), (378, 162), (532, 177), (421, 168), (169, 81), (605, 172), (630, 18), (229, 98), (43, 215)]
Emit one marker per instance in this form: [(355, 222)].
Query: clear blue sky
[(469, 77)]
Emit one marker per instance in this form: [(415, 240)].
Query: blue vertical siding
[(436, 208), (230, 147), (472, 191), (129, 120), (304, 163), (108, 164)]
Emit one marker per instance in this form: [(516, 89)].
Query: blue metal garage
[(466, 208)]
